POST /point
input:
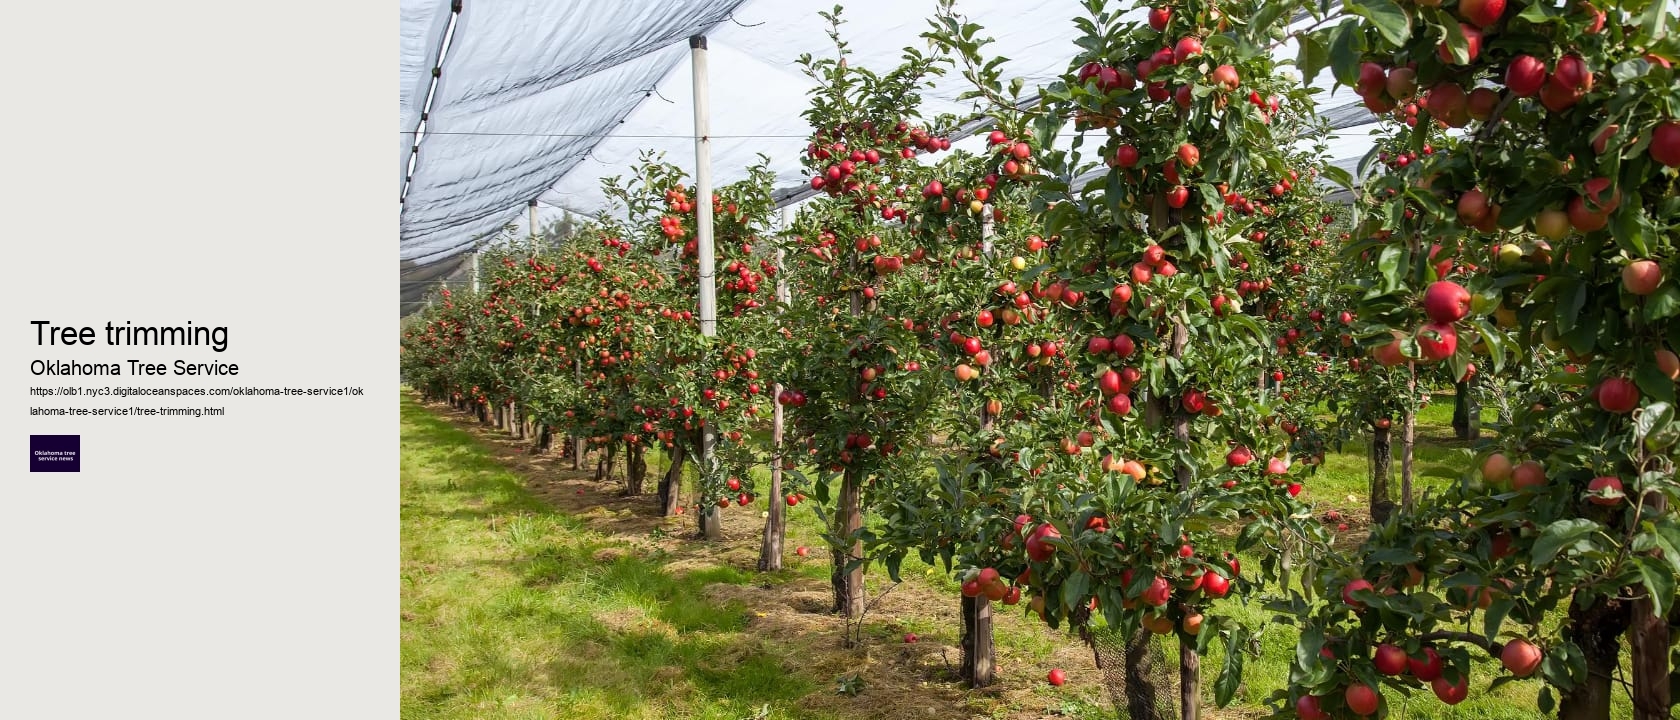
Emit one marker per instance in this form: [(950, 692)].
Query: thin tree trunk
[(979, 657), (1597, 631), (710, 516), (1649, 636), (1382, 471), (635, 471), (670, 488), (775, 526), (1408, 437), (1189, 663), (848, 519)]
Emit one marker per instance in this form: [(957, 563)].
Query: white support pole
[(711, 524), (532, 207), (703, 187), (783, 293), (475, 253)]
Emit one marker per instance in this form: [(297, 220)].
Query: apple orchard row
[(1095, 399)]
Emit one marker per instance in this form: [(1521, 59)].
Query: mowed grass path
[(514, 609), (510, 610)]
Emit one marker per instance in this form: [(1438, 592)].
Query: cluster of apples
[(1445, 303)]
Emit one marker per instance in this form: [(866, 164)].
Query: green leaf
[(1561, 534), (893, 562), (1456, 42), (1230, 672), (1495, 616), (1389, 20), (1629, 231), (1569, 305), (1662, 304), (1311, 58), (1339, 176), (1306, 650), (1655, 418), (1652, 381), (1388, 263), (1075, 588), (1659, 583), (1345, 52), (1392, 556)]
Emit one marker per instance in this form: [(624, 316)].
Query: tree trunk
[(635, 471), (577, 440), (979, 662), (1189, 663), (604, 468), (709, 517), (775, 526), (848, 519), (1649, 636), (1466, 416), (1597, 631), (540, 438), (670, 488), (1408, 437), (1382, 471)]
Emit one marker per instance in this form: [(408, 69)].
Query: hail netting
[(1140, 681)]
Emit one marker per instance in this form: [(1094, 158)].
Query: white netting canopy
[(541, 100)]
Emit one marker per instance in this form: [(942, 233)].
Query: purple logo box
[(55, 453)]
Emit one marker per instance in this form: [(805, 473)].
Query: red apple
[(1437, 341), (1481, 13), (1239, 456), (1520, 657), (1188, 155), (1472, 38), (1057, 677), (1528, 475), (1571, 74), (1641, 277), (1446, 302), (1665, 143), (1308, 708), (1037, 548), (1449, 693), (1618, 395), (1426, 668), (1668, 363), (1226, 77), (1372, 79), (1187, 47), (1158, 18), (1350, 588), (1389, 659), (1362, 699), (1215, 585), (1158, 592), (1525, 75), (1605, 490), (1496, 469)]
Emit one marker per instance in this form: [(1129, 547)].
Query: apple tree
[(1564, 540)]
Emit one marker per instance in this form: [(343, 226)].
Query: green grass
[(508, 612), (512, 610)]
